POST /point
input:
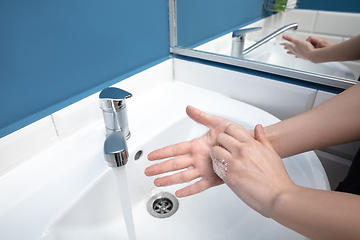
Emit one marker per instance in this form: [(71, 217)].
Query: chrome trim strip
[(287, 72), (172, 23)]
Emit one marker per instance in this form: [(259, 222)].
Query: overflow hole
[(138, 155)]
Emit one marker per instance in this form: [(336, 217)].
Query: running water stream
[(121, 180)]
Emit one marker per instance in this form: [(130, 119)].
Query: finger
[(285, 44), (313, 40), (219, 153), (289, 38), (202, 117), (321, 45), (288, 46), (238, 132), (178, 149), (197, 187), (261, 137), (181, 177), (227, 142), (168, 166)]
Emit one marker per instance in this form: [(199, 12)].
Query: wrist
[(284, 201), (313, 55)]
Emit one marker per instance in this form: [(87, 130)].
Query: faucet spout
[(115, 149), (113, 105), (293, 26), (238, 41)]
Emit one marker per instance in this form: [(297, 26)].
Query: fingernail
[(260, 128)]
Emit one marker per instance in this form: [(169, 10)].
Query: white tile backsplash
[(281, 99), (322, 97), (17, 147), (70, 119), (305, 19), (337, 23)]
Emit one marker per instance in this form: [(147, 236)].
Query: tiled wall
[(334, 26)]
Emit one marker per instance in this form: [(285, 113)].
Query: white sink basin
[(214, 214)]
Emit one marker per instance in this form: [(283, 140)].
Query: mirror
[(204, 29)]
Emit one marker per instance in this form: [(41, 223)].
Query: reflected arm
[(346, 51)]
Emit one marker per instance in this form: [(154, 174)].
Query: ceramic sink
[(217, 213)]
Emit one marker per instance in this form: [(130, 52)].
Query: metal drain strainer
[(162, 205)]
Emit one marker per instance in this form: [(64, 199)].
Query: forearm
[(319, 214), (334, 122), (346, 51)]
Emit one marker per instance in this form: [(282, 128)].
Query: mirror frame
[(326, 80)]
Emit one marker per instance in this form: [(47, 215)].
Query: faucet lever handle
[(113, 98), (243, 31), (114, 93)]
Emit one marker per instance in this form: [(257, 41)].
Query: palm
[(194, 156)]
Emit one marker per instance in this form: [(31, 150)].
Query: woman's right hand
[(193, 156), (318, 42)]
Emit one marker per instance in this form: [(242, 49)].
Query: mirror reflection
[(259, 37)]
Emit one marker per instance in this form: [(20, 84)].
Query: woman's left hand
[(250, 167)]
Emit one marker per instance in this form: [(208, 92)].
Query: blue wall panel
[(352, 6), (54, 53), (200, 21)]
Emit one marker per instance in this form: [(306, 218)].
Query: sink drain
[(162, 205)]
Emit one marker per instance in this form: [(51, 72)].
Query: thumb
[(261, 137)]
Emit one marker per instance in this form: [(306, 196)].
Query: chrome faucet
[(113, 105), (238, 39)]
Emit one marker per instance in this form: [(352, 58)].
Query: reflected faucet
[(113, 105), (238, 39)]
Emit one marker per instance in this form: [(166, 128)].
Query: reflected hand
[(318, 42), (194, 156), (251, 167), (298, 47)]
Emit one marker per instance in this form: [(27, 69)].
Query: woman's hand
[(194, 156), (298, 47), (306, 49), (318, 42), (250, 167)]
